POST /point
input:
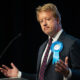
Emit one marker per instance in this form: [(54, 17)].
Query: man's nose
[(45, 23)]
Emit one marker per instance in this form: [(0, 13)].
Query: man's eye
[(48, 19), (41, 21)]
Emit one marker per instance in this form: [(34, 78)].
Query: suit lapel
[(40, 55), (61, 40)]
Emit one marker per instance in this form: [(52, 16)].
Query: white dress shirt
[(54, 39)]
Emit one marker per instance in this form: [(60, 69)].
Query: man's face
[(49, 24)]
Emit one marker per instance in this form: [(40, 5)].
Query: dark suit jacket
[(71, 48)]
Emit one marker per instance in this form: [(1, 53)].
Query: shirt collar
[(55, 38)]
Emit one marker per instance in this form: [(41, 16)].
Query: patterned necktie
[(43, 66)]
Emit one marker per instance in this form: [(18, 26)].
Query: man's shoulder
[(44, 44), (70, 37), (70, 40)]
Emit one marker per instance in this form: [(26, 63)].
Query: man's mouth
[(46, 28)]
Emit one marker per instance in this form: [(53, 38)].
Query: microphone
[(5, 49)]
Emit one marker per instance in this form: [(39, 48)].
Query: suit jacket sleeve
[(28, 76), (74, 60)]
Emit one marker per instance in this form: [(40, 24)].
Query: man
[(68, 65)]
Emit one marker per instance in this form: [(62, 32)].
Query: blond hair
[(49, 7)]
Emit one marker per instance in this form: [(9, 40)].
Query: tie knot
[(50, 41)]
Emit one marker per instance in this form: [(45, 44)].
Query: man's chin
[(47, 33)]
